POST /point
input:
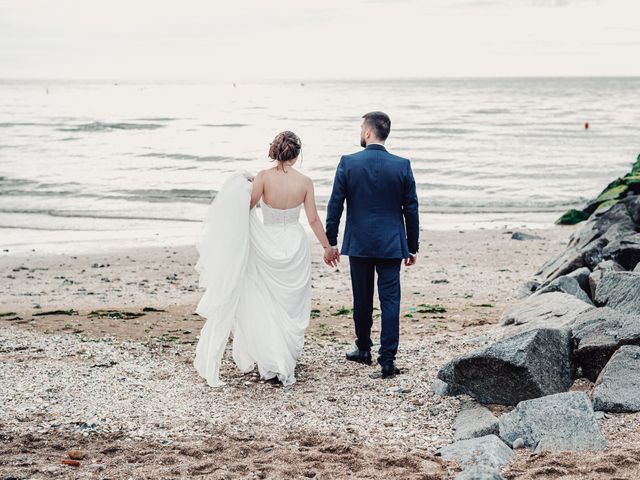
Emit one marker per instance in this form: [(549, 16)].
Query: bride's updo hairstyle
[(286, 146)]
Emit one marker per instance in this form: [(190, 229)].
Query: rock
[(585, 246), (599, 271), (582, 277), (597, 334), (487, 453), (553, 309), (527, 365), (620, 291), (526, 289), (442, 388), (566, 284), (479, 472), (475, 422), (524, 236), (518, 443), (75, 454), (560, 422), (568, 261), (624, 250), (637, 269), (618, 386)]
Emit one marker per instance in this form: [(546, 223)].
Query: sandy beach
[(96, 355)]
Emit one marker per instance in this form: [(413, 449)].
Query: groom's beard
[(363, 142)]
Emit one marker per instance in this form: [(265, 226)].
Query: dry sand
[(121, 388)]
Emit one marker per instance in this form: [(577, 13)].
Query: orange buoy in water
[(586, 125)]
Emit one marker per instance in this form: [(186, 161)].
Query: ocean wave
[(167, 195), (197, 158), (84, 214), (103, 126), (227, 125)]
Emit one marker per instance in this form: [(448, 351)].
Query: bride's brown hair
[(286, 146)]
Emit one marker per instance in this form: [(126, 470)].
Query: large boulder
[(560, 422), (618, 386), (530, 364), (585, 248), (620, 291), (474, 422), (624, 250), (599, 271), (567, 284), (582, 277), (597, 334), (551, 310), (482, 455)]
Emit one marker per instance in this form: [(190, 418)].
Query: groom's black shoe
[(389, 370), (359, 356)]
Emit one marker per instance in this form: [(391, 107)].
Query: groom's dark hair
[(379, 122)]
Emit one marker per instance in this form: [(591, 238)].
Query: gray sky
[(297, 39)]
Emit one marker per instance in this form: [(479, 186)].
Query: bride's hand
[(331, 256)]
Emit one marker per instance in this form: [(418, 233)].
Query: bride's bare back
[(282, 187), (284, 190)]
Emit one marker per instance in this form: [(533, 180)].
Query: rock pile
[(580, 318)]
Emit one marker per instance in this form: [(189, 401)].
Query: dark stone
[(620, 291), (597, 334), (560, 422), (527, 365), (625, 251), (582, 277), (618, 386), (566, 284)]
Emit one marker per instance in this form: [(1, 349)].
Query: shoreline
[(15, 240)]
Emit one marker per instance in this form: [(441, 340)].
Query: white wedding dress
[(258, 286)]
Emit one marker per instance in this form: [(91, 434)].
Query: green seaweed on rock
[(612, 194)]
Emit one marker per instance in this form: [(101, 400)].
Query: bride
[(257, 274)]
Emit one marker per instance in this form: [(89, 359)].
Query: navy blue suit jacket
[(382, 205)]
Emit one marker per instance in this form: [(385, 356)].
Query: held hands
[(411, 260), (331, 256)]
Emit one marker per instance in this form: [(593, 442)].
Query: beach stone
[(527, 365), (487, 453), (567, 284), (625, 251), (620, 291), (555, 309), (618, 386), (560, 422), (599, 271), (582, 277), (473, 422), (480, 472), (518, 443), (568, 261), (597, 334), (526, 289), (585, 248), (442, 388), (633, 207)]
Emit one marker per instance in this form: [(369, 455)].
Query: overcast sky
[(298, 39)]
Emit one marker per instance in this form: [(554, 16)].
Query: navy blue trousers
[(362, 278)]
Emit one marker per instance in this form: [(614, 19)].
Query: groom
[(382, 229)]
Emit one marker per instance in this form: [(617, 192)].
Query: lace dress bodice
[(280, 216)]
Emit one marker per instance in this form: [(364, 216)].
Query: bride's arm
[(312, 216), (257, 189)]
